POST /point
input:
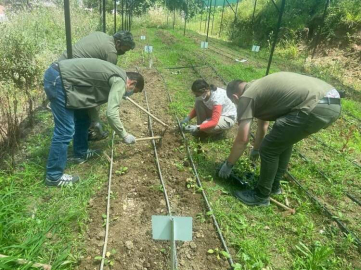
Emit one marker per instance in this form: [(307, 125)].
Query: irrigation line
[(174, 259), (181, 67), (108, 205), (335, 151), (199, 183), (353, 198), (156, 157), (341, 225), (324, 175), (353, 116)]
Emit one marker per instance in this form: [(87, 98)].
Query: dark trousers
[(276, 147)]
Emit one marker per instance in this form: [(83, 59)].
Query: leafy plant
[(316, 258), (219, 253), (122, 171)]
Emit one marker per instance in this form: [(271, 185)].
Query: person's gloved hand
[(129, 139), (191, 128), (184, 121), (254, 155), (225, 170)]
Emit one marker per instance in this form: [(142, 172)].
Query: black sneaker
[(276, 190), (94, 136), (64, 180), (89, 155), (250, 197)]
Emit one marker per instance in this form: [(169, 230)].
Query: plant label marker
[(204, 45), (162, 228), (172, 228), (255, 48), (148, 49), (142, 37)]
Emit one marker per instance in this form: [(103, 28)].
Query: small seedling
[(219, 253), (237, 266), (104, 217), (200, 217), (122, 171), (157, 188), (179, 166), (109, 260), (190, 183)]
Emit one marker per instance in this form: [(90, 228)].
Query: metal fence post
[(104, 20), (220, 27), (209, 18), (115, 16), (319, 32), (69, 49), (276, 35)]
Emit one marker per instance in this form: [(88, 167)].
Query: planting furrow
[(189, 154), (184, 197)]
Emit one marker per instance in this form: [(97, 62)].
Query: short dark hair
[(135, 76), (233, 87), (201, 85), (125, 38)]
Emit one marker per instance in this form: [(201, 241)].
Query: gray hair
[(125, 38)]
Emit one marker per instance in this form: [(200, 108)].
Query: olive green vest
[(96, 45), (86, 81)]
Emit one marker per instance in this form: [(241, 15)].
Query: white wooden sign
[(148, 49), (255, 48), (204, 45)]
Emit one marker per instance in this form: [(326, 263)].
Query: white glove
[(129, 139), (225, 170), (254, 155), (191, 128), (184, 121)]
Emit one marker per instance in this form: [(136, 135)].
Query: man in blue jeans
[(74, 86), (100, 45), (299, 105)]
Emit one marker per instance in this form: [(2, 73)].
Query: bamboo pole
[(148, 138), (144, 110), (291, 210)]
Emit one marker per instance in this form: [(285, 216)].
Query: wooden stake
[(144, 110), (148, 138), (107, 157), (36, 265), (286, 201), (292, 211)]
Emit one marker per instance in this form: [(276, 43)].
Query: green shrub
[(31, 40)]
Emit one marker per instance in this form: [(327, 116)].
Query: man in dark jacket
[(101, 46), (74, 86), (299, 105)]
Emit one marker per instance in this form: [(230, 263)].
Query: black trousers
[(276, 147)]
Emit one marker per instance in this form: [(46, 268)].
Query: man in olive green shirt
[(73, 86), (101, 46), (299, 105)]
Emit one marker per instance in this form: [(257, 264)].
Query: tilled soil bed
[(137, 195)]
